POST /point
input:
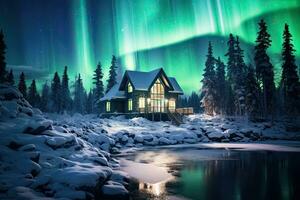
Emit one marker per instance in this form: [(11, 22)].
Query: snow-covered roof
[(142, 80), (176, 86), (114, 93)]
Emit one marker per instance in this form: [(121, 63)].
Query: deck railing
[(185, 111)]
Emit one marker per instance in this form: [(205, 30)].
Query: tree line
[(241, 89), (59, 96)]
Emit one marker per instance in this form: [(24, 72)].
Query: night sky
[(44, 36)]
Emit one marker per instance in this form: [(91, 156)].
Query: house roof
[(176, 86), (114, 93), (142, 81)]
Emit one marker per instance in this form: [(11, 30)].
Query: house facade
[(144, 93)]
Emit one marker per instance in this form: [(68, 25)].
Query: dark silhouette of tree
[(79, 96), (231, 61), (90, 102), (239, 79), (66, 99), (208, 83), (252, 94), (194, 102), (112, 74), (22, 85), (264, 69), (290, 85), (56, 93), (3, 72), (33, 96), (220, 86), (10, 78), (44, 104), (99, 88)]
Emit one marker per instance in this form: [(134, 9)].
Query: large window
[(172, 105), (108, 106), (129, 88), (157, 97), (142, 104), (129, 104)]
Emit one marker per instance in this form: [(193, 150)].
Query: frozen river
[(215, 171)]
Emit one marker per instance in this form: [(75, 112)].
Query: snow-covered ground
[(61, 156)]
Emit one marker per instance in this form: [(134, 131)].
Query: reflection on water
[(156, 189), (216, 174)]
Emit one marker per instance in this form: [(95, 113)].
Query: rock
[(37, 128), (28, 147), (114, 191), (138, 138), (164, 141)]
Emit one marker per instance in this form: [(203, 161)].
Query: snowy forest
[(232, 88)]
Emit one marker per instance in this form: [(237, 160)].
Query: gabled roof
[(176, 86), (114, 93), (142, 81)]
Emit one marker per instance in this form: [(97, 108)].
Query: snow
[(46, 156)]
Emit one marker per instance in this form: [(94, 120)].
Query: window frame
[(129, 104), (108, 106), (129, 88)]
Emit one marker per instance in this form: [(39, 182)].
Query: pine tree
[(22, 85), (208, 83), (252, 94), (112, 74), (220, 86), (194, 102), (90, 102), (33, 96), (3, 72), (10, 78), (289, 79), (99, 88), (44, 104), (231, 61), (56, 93), (65, 91), (79, 96), (239, 77), (264, 69)]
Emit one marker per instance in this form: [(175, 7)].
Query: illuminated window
[(129, 104), (157, 97), (141, 102), (172, 105), (129, 88), (108, 106)]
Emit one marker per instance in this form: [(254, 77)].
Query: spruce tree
[(33, 96), (10, 78), (65, 91), (231, 61), (3, 72), (44, 104), (112, 74), (220, 86), (289, 79), (99, 88), (252, 94), (22, 85), (90, 102), (208, 83), (79, 96), (264, 69), (239, 77), (56, 93), (194, 102)]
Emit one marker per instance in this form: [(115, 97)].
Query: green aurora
[(173, 34)]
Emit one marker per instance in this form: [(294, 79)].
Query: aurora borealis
[(144, 34)]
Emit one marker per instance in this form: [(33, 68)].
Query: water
[(206, 172)]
